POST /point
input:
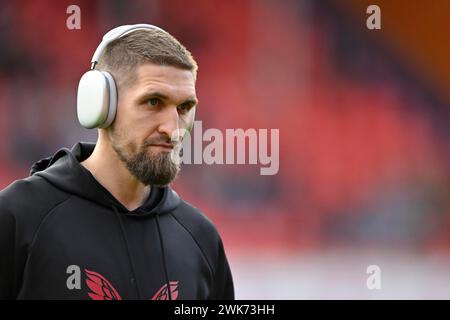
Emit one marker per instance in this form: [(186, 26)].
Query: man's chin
[(153, 165), (164, 178), (160, 182)]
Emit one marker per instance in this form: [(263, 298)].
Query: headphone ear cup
[(93, 99), (112, 109), (96, 99)]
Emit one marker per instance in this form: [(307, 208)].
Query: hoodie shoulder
[(30, 199), (199, 225)]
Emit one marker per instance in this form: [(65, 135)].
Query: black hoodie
[(64, 236)]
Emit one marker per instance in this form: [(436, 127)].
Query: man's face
[(152, 114)]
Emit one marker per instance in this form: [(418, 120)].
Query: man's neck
[(113, 175)]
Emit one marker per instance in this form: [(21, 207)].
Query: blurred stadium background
[(364, 130)]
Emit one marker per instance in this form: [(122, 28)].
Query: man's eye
[(153, 101), (184, 107)]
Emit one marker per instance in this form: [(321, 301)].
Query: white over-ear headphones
[(97, 91)]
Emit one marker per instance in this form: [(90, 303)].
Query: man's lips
[(163, 145)]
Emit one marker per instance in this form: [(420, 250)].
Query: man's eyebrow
[(162, 96)]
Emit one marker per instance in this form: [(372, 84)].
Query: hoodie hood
[(64, 171)]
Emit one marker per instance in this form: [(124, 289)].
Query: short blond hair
[(122, 56)]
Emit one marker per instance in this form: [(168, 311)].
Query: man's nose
[(170, 123)]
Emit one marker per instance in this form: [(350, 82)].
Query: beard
[(149, 167)]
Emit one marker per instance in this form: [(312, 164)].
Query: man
[(100, 221)]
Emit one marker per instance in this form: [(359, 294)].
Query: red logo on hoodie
[(102, 289), (163, 293)]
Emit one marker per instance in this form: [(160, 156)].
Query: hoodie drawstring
[(127, 246), (161, 243), (166, 273)]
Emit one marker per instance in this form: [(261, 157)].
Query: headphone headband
[(116, 33)]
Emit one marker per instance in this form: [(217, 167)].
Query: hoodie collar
[(65, 172)]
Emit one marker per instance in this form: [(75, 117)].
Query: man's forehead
[(171, 80)]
